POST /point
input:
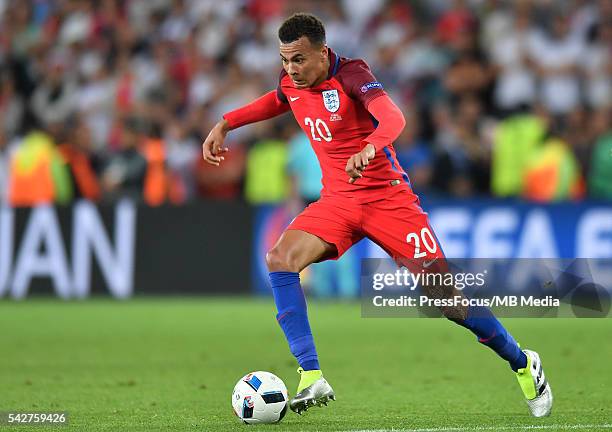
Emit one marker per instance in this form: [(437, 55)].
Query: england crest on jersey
[(331, 99)]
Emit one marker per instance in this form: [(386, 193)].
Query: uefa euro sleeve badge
[(331, 100)]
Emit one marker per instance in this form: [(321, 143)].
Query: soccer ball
[(260, 397)]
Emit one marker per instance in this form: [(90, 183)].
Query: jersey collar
[(334, 61)]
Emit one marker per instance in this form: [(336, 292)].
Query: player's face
[(305, 64)]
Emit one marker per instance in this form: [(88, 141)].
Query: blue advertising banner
[(465, 229)]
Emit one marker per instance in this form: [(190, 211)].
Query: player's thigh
[(296, 249), (402, 229), (335, 221)]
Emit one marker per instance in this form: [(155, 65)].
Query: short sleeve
[(359, 83)]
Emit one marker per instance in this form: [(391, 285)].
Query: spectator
[(266, 179), (578, 134), (597, 67), (25, 33), (95, 100), (225, 181), (455, 24), (469, 73), (556, 55), (305, 171), (54, 100), (462, 162), (516, 85), (11, 106), (156, 180), (515, 140), (38, 174), (84, 166), (552, 173), (414, 154), (183, 153), (4, 168), (600, 178), (125, 172)]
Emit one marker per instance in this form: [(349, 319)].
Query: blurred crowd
[(101, 99)]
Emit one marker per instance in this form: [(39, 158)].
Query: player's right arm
[(268, 106)]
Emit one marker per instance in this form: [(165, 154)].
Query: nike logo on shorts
[(426, 264)]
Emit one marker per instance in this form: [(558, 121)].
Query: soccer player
[(351, 123)]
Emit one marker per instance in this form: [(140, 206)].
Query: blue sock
[(492, 333), (293, 318)]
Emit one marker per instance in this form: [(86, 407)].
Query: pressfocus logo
[(545, 288)]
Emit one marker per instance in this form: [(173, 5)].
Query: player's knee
[(273, 260), (281, 260)]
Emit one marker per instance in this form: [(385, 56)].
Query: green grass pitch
[(171, 364)]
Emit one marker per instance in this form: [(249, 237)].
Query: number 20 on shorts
[(426, 238)]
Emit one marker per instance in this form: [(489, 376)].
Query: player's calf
[(456, 312), (480, 321)]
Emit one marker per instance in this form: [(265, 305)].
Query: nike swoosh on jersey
[(293, 99)]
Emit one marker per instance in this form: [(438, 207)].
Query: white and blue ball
[(260, 397)]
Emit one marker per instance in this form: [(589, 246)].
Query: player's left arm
[(391, 122)]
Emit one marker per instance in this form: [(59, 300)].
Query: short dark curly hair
[(302, 24)]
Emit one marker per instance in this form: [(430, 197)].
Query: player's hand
[(358, 162), (212, 147)]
